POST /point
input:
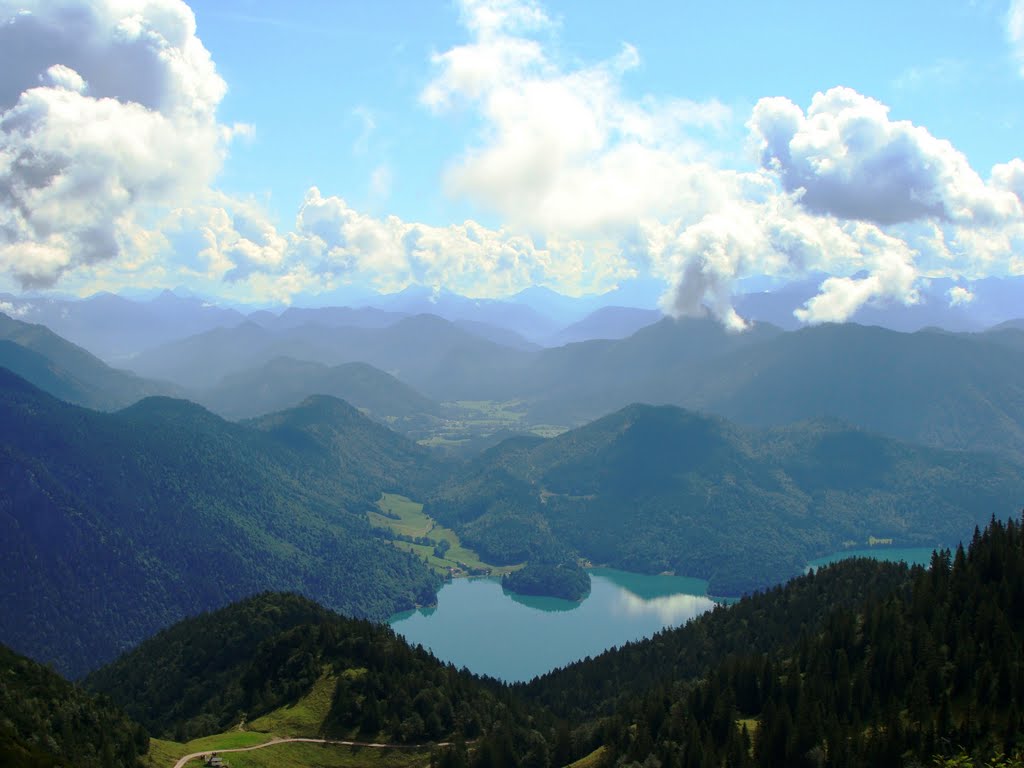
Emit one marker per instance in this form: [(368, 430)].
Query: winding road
[(274, 742)]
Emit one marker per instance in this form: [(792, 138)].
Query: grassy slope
[(414, 522), (304, 718)]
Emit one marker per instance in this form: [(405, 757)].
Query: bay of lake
[(908, 555), (476, 624)]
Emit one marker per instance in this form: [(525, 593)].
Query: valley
[(511, 384), (544, 576)]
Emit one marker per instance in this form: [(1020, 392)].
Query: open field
[(406, 517), (468, 425), (163, 753), (590, 761), (303, 719)]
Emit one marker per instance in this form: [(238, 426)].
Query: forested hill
[(199, 676), (928, 663), (46, 722), (860, 664), (284, 381), (67, 371), (117, 525), (660, 488)]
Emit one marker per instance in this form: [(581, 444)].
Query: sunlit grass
[(415, 523)]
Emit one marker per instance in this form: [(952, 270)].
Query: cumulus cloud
[(841, 188), (109, 144), (107, 111), (15, 310), (342, 244), (562, 150), (960, 296), (848, 159)]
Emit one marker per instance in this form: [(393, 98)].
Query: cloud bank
[(110, 147), (107, 109)]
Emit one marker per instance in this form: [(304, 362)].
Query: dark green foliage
[(929, 663), (47, 721), (757, 624), (201, 675), (565, 579), (658, 488), (113, 526)]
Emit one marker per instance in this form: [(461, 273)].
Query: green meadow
[(406, 517)]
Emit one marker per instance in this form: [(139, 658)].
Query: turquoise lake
[(908, 555), (478, 625)]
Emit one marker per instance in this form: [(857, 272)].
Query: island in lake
[(566, 580)]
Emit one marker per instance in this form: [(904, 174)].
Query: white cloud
[(109, 144), (59, 76), (107, 112), (848, 159), (960, 296), (843, 189), (15, 310), (340, 244), (562, 150)]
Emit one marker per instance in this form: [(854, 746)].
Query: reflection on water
[(670, 611), (515, 637), (543, 603)]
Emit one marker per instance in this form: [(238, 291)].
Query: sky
[(311, 152)]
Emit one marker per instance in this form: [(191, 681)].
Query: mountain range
[(861, 663), (655, 489), (115, 525)]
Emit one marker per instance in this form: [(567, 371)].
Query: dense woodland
[(862, 663), (655, 489), (930, 663), (565, 580), (117, 525), (204, 674), (46, 721)]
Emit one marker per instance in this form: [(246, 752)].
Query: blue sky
[(309, 151), (317, 70)]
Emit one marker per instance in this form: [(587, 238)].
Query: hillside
[(860, 664), (116, 525), (67, 371), (285, 381), (939, 389), (662, 489), (116, 327), (432, 355), (45, 722), (262, 654), (958, 391), (607, 323), (662, 363)]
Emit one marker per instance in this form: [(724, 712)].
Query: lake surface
[(908, 555), (478, 625)]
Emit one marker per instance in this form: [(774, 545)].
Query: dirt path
[(274, 742)]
